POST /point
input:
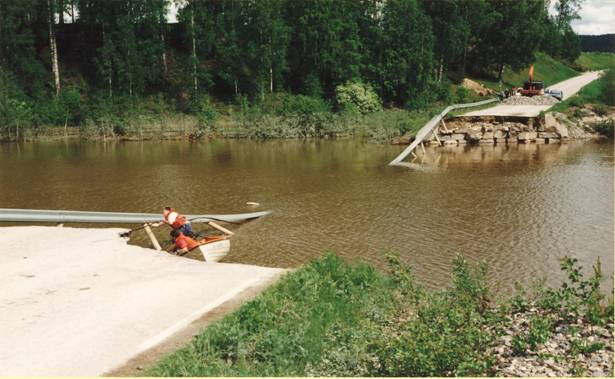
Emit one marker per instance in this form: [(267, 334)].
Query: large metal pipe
[(59, 216)]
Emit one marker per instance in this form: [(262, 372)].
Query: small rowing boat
[(215, 248)]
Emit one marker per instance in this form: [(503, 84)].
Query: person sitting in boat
[(177, 221), (183, 243)]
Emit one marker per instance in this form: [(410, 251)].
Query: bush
[(355, 96), (205, 113), (608, 89), (606, 128), (601, 109), (301, 104), (462, 95)]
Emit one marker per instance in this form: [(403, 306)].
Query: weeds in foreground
[(333, 319)]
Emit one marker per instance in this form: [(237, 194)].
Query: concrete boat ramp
[(82, 302)]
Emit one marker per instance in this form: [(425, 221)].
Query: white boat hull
[(215, 251)]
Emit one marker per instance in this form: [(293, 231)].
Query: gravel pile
[(534, 100), (557, 356)]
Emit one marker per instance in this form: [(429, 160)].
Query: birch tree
[(53, 47)]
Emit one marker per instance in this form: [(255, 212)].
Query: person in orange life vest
[(177, 221), (183, 243)]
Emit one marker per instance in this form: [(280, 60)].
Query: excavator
[(534, 88)]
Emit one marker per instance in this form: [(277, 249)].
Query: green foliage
[(608, 86), (593, 61), (407, 53), (578, 346), (206, 115), (403, 50), (317, 321), (600, 93), (578, 297), (462, 95), (333, 319), (606, 128), (355, 96)]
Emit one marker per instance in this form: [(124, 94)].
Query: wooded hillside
[(61, 60)]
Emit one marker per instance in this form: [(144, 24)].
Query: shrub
[(301, 104), (355, 96), (462, 95), (601, 109), (605, 128), (205, 113)]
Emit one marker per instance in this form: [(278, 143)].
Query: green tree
[(266, 37), (451, 29), (514, 36), (325, 48), (20, 23), (408, 52)]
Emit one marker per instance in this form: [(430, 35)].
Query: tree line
[(406, 50)]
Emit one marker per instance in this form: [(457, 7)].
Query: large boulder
[(553, 124), (526, 137)]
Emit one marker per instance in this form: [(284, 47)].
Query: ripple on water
[(518, 208)]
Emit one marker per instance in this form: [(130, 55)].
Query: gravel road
[(570, 87)]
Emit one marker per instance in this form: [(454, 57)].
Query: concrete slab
[(81, 302), (570, 87)]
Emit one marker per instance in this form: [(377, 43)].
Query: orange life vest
[(179, 221)]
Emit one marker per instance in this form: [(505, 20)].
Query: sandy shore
[(81, 302)]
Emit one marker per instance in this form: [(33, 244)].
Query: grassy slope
[(546, 68), (599, 93), (332, 319), (592, 61)]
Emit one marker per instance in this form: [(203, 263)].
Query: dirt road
[(570, 87)]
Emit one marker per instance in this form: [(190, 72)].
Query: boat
[(215, 248)]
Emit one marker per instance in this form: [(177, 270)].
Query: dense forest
[(604, 43), (63, 61)]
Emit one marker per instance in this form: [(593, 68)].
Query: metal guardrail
[(58, 216), (431, 125)]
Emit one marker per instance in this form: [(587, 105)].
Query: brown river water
[(518, 208)]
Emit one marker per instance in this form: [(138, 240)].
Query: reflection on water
[(519, 208)]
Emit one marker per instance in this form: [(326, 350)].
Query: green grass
[(333, 319), (592, 61), (546, 68), (599, 92), (330, 318)]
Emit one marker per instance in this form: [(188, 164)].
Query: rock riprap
[(534, 100)]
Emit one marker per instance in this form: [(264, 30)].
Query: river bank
[(380, 127), (334, 319)]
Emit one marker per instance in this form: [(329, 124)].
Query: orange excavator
[(531, 87)]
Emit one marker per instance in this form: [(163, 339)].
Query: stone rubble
[(534, 100), (555, 358)]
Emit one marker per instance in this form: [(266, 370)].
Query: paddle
[(127, 234)]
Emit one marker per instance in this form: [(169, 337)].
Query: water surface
[(518, 208)]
